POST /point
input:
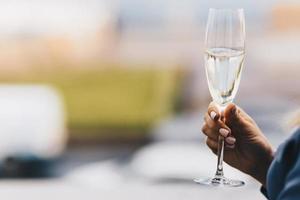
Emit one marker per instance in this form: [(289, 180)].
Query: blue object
[(283, 178)]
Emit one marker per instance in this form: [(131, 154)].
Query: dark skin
[(246, 148)]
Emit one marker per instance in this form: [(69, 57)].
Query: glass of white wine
[(224, 59)]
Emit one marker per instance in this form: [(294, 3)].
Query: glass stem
[(219, 172)]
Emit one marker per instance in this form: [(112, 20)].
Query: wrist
[(260, 170)]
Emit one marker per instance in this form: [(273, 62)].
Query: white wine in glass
[(223, 71), (224, 59)]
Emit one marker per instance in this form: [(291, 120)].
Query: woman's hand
[(246, 148)]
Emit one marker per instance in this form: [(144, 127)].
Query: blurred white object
[(100, 175), (174, 160), (31, 121)]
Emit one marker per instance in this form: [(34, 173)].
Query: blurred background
[(105, 98)]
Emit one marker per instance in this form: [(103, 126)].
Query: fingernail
[(233, 111), (230, 146), (224, 132), (230, 140), (213, 114)]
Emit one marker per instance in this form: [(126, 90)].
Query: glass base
[(220, 181)]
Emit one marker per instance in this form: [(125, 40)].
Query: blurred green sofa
[(112, 103)]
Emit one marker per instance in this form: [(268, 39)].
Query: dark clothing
[(283, 178)]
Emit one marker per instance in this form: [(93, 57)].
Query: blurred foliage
[(112, 101)]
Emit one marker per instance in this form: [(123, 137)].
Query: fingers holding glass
[(213, 129)]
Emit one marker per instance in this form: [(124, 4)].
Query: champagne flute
[(224, 59)]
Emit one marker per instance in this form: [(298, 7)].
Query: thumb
[(231, 114)]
